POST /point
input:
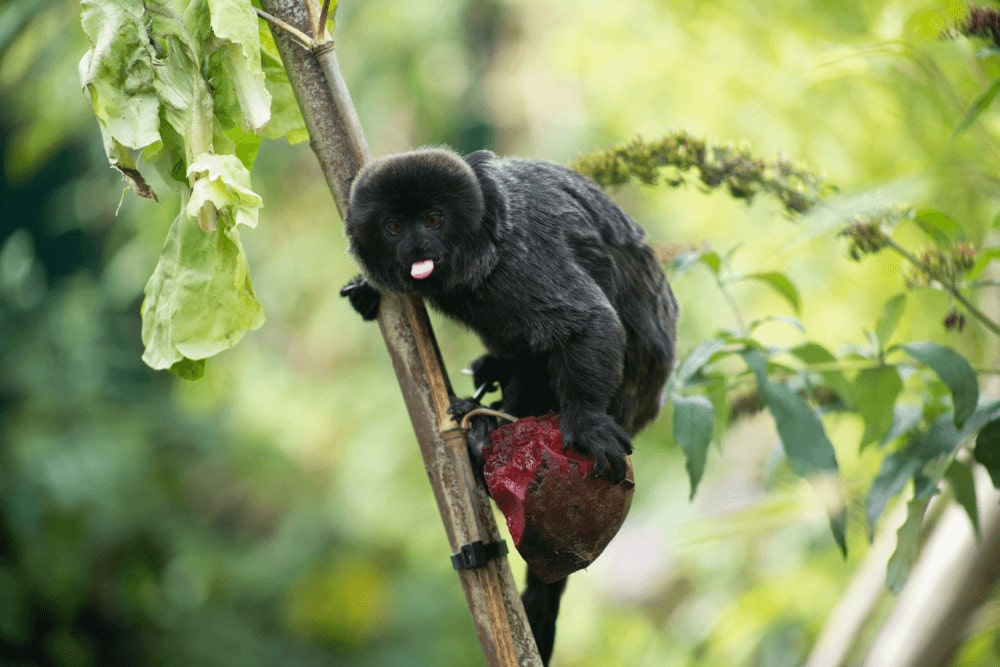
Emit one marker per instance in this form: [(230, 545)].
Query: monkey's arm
[(585, 371), (364, 298)]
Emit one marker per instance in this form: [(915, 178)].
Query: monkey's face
[(415, 221)]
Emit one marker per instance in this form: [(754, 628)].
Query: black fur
[(575, 311)]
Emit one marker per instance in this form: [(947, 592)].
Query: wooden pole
[(339, 144)]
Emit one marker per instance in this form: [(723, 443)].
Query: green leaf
[(118, 75), (780, 283), (984, 257), (980, 105), (718, 393), (963, 485), (235, 22), (686, 260), (907, 545), (184, 82), (697, 359), (117, 71), (286, 117), (199, 300), (223, 182), (905, 418), (813, 354), (888, 319), (987, 451), (939, 227), (783, 319), (712, 260), (924, 459), (897, 469), (954, 371), (810, 452), (873, 395), (694, 417)]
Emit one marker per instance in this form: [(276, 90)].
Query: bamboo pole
[(338, 141)]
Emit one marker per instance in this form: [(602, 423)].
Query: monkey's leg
[(490, 369), (586, 371), (529, 393)]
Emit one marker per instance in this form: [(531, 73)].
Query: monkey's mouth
[(422, 269)]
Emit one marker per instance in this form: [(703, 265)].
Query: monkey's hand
[(478, 435), (489, 370), (597, 435), (363, 297)]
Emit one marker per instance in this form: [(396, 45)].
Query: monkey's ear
[(477, 158), (495, 213)]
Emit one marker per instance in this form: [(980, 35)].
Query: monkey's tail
[(541, 604)]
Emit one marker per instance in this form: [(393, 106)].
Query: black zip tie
[(477, 554)]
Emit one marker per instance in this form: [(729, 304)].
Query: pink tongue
[(421, 270)]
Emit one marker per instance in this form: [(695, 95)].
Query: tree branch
[(339, 144)]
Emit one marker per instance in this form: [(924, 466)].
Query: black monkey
[(570, 302)]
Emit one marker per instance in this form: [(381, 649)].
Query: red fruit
[(560, 517)]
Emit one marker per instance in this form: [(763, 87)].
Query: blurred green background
[(277, 511)]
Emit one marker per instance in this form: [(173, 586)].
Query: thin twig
[(485, 412), (949, 284), (322, 16), (299, 37)]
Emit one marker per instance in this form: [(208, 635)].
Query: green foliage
[(780, 283), (980, 22), (876, 393), (670, 159), (889, 318), (954, 371), (987, 451), (963, 488), (907, 545), (232, 521), (694, 418), (183, 85), (191, 310), (873, 395), (810, 452)]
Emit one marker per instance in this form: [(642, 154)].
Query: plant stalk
[(339, 144)]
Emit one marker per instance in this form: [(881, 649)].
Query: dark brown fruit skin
[(570, 519), (569, 516)]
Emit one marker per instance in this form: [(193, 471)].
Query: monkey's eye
[(394, 227), (433, 221)]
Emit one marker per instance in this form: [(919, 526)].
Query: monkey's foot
[(598, 436), (478, 435)]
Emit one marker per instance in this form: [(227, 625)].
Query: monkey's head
[(416, 222)]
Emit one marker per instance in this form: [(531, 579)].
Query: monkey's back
[(560, 205)]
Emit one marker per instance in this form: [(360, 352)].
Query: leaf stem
[(949, 284), (733, 306), (975, 284)]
